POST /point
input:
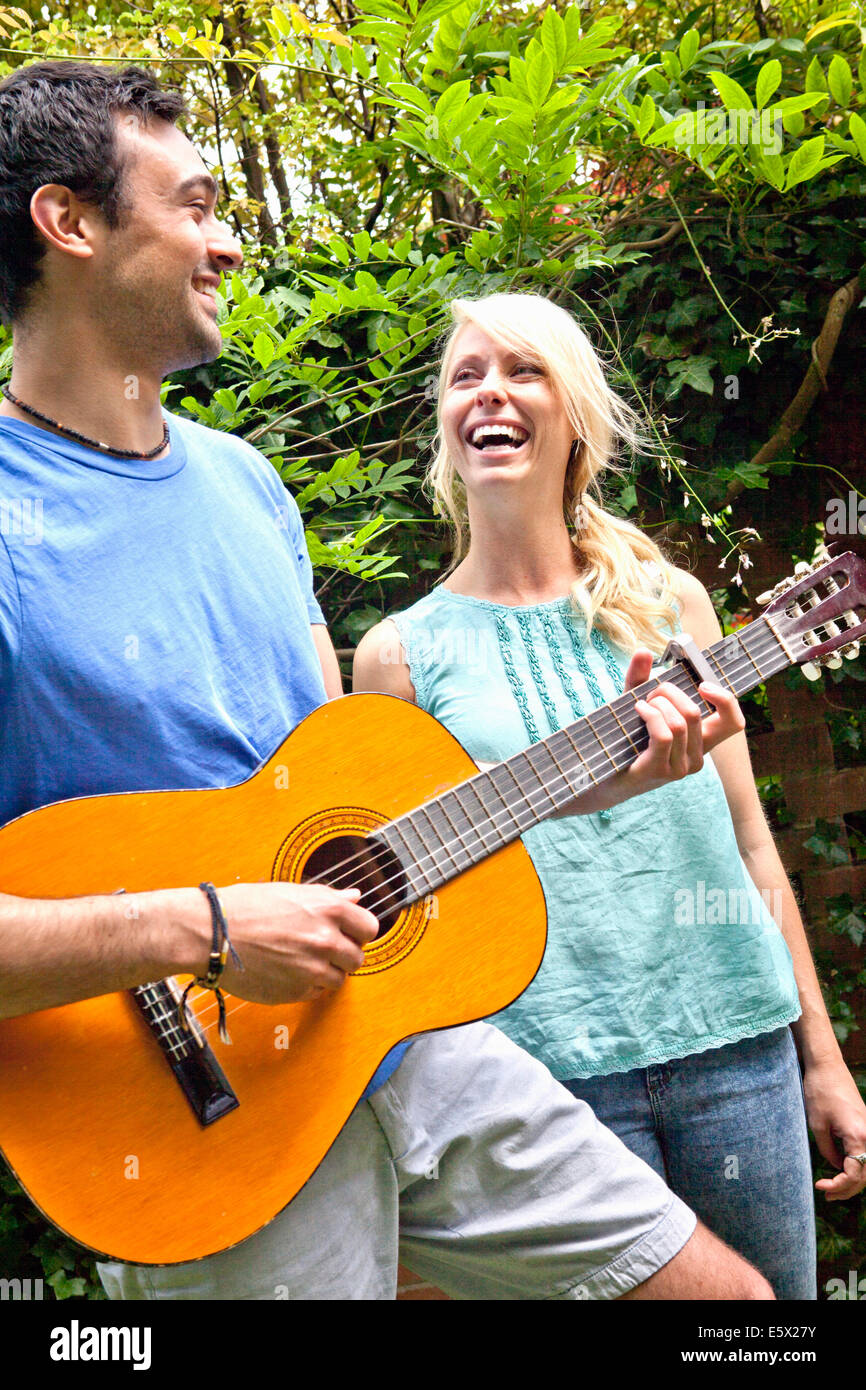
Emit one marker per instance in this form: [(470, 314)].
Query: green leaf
[(824, 847), (412, 96), (64, 1287), (749, 474), (646, 117), (804, 162), (539, 77), (840, 80), (735, 97), (815, 79), (695, 372), (362, 242), (655, 80), (227, 399), (263, 350), (801, 103), (553, 38), (628, 497), (341, 251), (773, 167), (794, 123), (450, 101), (385, 9), (768, 82), (281, 21), (857, 131), (689, 45)]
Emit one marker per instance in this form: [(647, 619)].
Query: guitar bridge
[(196, 1069)]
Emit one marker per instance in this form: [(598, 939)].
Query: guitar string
[(745, 664), (591, 764), (739, 666), (736, 668), (748, 662)]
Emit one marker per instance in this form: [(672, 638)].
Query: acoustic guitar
[(149, 1143)]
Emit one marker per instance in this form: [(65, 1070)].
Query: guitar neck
[(450, 833)]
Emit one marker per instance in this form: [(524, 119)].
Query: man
[(164, 633)]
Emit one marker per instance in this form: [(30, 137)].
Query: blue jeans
[(726, 1129)]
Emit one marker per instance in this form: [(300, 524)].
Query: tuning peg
[(811, 671), (774, 593)]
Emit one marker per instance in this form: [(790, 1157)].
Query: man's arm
[(294, 940), (328, 659)]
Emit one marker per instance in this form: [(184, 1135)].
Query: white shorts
[(473, 1166)]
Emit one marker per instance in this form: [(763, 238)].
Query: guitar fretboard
[(447, 835)]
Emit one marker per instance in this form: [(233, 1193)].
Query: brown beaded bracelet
[(221, 948)]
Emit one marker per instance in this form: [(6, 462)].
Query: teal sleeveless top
[(659, 943)]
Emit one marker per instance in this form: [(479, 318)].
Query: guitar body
[(93, 1120)]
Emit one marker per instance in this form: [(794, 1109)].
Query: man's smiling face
[(156, 274)]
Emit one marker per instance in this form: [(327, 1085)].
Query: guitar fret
[(413, 865), (510, 770), (443, 844), (459, 819), (587, 772), (470, 786), (573, 776), (444, 809), (742, 641), (562, 771), (583, 759), (612, 709), (518, 766), (528, 755), (711, 656), (594, 731), (611, 727)]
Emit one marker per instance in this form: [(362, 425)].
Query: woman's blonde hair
[(626, 587)]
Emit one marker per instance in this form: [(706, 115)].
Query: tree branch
[(812, 384)]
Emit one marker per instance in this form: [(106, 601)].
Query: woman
[(672, 1025)]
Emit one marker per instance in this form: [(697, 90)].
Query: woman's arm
[(380, 663), (834, 1106)]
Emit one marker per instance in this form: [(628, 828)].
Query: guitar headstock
[(819, 613)]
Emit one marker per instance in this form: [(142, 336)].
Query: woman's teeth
[(497, 437)]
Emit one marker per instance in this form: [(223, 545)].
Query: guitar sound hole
[(371, 867)]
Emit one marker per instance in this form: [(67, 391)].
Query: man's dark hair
[(57, 126)]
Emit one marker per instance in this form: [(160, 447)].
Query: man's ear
[(63, 220)]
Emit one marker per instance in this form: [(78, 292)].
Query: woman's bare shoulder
[(380, 662)]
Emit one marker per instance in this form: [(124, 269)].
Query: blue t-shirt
[(154, 617)]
